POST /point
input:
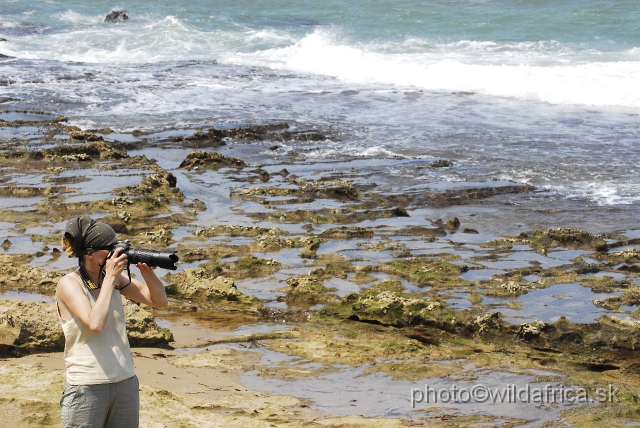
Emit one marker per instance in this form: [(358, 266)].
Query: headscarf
[(89, 234)]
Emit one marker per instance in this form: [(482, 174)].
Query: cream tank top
[(98, 358)]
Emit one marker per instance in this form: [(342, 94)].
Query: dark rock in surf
[(442, 163), (117, 16), (3, 56)]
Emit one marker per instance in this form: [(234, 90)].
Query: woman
[(101, 388)]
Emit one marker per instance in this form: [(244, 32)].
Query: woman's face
[(101, 255)]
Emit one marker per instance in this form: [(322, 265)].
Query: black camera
[(163, 259)]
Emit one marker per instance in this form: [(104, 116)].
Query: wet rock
[(628, 322), (154, 185), (386, 303), (399, 212), (264, 175), (207, 160), (426, 271), (81, 157), (117, 16), (515, 287), (213, 137), (273, 241), (171, 179), (464, 195), (235, 230), (161, 235), (199, 285), (429, 232), (569, 238), (454, 223), (125, 216), (256, 132), (307, 288), (442, 163), (610, 337), (341, 190), (279, 314), (216, 137), (488, 322), (84, 136), (6, 244), (345, 232), (121, 202), (628, 255), (142, 329), (530, 330), (97, 149), (249, 266), (630, 297)]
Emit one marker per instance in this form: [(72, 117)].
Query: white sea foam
[(144, 41), (544, 71), (602, 194), (78, 18)]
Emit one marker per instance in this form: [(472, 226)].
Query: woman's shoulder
[(69, 279)]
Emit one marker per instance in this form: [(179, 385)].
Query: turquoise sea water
[(538, 92)]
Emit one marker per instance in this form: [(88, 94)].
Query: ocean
[(537, 92)]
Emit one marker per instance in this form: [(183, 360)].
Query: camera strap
[(127, 284), (88, 282)]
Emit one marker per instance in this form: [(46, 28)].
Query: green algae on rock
[(556, 237), (345, 232), (307, 191), (386, 303), (325, 215), (232, 230), (210, 160), (308, 288), (423, 271)]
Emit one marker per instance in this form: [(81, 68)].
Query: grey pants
[(107, 405)]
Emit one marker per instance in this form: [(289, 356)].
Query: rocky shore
[(357, 275)]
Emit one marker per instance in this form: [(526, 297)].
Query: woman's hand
[(144, 268), (116, 263)]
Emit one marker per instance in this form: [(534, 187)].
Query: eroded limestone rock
[(307, 288), (17, 275), (30, 326), (34, 326), (207, 160), (142, 329), (199, 285), (387, 303)]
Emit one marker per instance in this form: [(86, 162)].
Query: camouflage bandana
[(89, 234)]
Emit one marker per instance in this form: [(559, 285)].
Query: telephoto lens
[(163, 259)]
